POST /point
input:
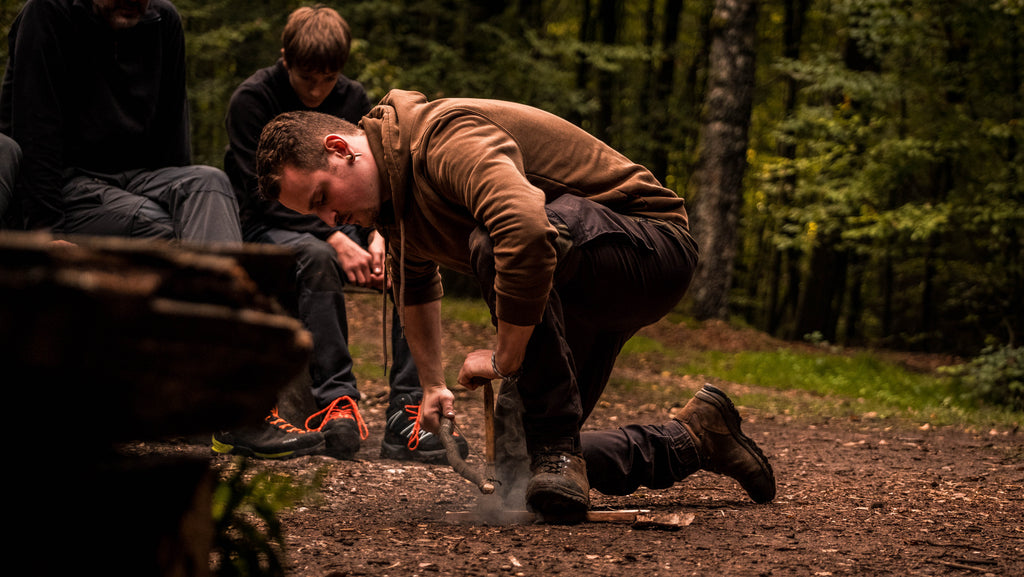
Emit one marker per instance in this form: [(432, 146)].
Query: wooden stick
[(489, 464), (456, 461), (518, 516)]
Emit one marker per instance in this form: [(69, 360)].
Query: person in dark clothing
[(10, 160), (315, 47), (575, 248), (94, 94)]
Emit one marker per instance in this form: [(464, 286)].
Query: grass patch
[(858, 385), (472, 311), (641, 345), (853, 384)]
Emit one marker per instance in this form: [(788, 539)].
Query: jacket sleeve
[(479, 166), (36, 79), (175, 128)]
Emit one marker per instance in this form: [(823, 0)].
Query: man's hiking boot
[(405, 441), (342, 427), (276, 438), (714, 424), (558, 488)]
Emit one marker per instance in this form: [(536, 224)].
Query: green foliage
[(995, 376), (249, 540), (860, 383), (902, 159)]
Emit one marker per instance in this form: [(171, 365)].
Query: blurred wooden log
[(114, 340), (160, 339)]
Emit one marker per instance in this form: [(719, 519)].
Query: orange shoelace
[(414, 437), (346, 410), (280, 422), (414, 415)]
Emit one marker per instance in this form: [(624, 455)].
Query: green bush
[(249, 537), (996, 376)]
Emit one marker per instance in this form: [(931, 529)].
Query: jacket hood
[(393, 147)]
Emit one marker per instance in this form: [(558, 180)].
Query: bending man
[(575, 247)]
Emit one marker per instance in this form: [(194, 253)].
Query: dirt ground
[(856, 496)]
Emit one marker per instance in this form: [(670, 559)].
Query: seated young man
[(104, 132), (315, 47)]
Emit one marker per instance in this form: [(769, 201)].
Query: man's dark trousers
[(615, 275)]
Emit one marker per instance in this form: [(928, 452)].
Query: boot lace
[(340, 408), (552, 462), (414, 436), (280, 422)]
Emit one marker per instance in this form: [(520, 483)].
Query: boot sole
[(717, 398), (402, 453), (557, 506), (229, 449)]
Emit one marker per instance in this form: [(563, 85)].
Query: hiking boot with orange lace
[(714, 425), (342, 427), (405, 441), (276, 438)]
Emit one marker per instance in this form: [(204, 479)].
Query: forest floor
[(857, 495)]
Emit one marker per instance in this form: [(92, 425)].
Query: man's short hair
[(316, 39), (295, 139)]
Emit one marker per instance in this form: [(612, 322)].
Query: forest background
[(853, 168)]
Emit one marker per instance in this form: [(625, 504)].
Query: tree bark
[(723, 156)]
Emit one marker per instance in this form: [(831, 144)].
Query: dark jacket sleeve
[(175, 129), (36, 75)]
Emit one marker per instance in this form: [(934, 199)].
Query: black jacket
[(79, 95), (256, 102)]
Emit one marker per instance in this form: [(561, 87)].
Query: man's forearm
[(422, 328), (511, 346)]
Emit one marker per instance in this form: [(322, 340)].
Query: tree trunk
[(586, 34), (723, 157), (609, 16), (663, 125)]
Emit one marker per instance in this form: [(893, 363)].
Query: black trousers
[(615, 275), (321, 308)]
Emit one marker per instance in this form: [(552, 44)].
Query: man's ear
[(336, 144)]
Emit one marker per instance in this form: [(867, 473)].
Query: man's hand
[(378, 276), (437, 402), (477, 369), (357, 263)]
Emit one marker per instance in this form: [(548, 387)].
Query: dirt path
[(855, 498)]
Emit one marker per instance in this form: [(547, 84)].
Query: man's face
[(340, 194), (121, 14), (311, 87)]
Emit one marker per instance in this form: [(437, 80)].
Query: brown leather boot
[(714, 424), (558, 488)]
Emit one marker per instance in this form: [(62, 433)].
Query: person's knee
[(10, 152), (317, 259), (208, 179)]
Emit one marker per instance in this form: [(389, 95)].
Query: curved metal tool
[(458, 464)]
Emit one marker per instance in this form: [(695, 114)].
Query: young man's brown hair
[(295, 139), (317, 39)]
